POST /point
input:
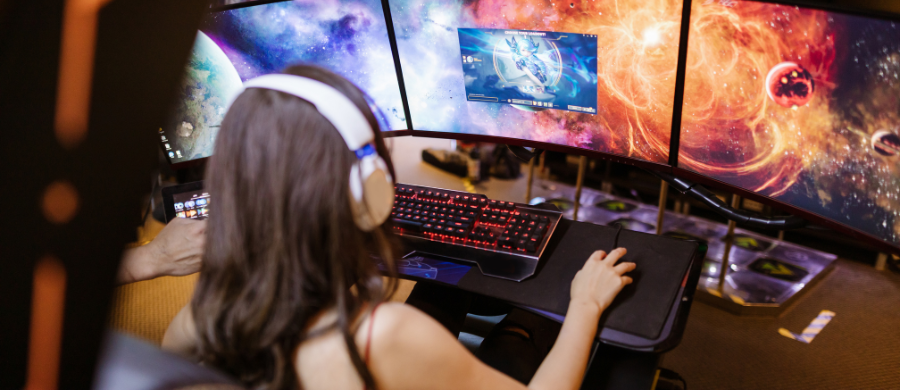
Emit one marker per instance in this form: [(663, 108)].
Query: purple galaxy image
[(347, 37)]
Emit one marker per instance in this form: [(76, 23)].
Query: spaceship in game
[(524, 51)]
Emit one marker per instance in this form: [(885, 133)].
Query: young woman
[(289, 296)]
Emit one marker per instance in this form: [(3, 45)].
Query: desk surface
[(641, 317), (640, 309), (406, 154), (642, 312)]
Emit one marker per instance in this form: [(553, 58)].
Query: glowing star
[(886, 143), (789, 85), (651, 37)]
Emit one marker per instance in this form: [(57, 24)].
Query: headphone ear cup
[(379, 196), (373, 205)]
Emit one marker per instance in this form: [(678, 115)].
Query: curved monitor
[(598, 76), (799, 105), (240, 42)]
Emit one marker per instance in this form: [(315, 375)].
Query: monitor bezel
[(847, 9), (819, 219), (646, 164)]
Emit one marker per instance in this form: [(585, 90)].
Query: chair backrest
[(127, 363)]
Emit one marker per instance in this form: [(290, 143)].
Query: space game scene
[(798, 104), (534, 70), (633, 70), (347, 37)]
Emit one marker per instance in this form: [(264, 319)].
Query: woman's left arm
[(176, 251), (181, 336)]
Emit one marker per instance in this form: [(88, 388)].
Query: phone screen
[(192, 204)]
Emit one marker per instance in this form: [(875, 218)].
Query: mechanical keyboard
[(505, 239)]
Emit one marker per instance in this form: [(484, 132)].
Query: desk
[(646, 319), (647, 316), (623, 357)]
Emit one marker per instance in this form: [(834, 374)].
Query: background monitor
[(241, 42), (598, 75), (798, 104)]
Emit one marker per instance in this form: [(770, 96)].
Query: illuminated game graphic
[(634, 64), (531, 70), (347, 37), (779, 269), (616, 206), (798, 104)]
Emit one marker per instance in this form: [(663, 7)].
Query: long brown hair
[(282, 245)]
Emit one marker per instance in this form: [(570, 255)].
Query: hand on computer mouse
[(176, 251), (600, 280)]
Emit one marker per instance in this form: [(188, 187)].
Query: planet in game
[(886, 143), (789, 85), (209, 81)]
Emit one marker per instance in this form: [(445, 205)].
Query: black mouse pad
[(640, 309)]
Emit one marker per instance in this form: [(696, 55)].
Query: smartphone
[(186, 201)]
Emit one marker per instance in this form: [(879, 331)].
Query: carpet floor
[(858, 349)]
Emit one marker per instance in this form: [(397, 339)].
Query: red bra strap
[(369, 337)]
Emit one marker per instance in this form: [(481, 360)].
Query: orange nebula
[(637, 60), (731, 130)]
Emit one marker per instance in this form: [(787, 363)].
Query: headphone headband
[(369, 175), (331, 103)]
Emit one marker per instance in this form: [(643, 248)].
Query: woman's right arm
[(593, 291), (412, 350)]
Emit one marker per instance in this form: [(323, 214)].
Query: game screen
[(598, 75), (529, 71), (348, 37), (191, 205), (798, 104)]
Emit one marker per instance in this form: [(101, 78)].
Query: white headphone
[(371, 183)]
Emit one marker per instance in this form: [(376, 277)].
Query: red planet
[(789, 85)]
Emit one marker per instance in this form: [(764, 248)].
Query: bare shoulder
[(404, 337), (398, 324), (391, 315), (181, 335)]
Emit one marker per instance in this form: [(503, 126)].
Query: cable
[(522, 153), (616, 240), (717, 205)]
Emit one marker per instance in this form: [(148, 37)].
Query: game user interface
[(348, 37), (526, 68), (797, 104), (191, 205), (598, 75)]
